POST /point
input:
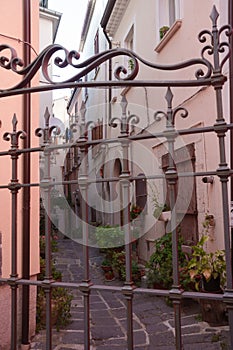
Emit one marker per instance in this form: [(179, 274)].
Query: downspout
[(104, 21), (230, 20), (26, 178), (109, 77)]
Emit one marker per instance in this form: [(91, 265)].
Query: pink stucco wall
[(11, 29)]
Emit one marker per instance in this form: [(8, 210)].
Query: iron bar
[(48, 267), (114, 288), (83, 186), (171, 177), (14, 274), (125, 191), (116, 179), (216, 80), (103, 84), (26, 175), (230, 20), (46, 132), (14, 188), (188, 131), (223, 169)]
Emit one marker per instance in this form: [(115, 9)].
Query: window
[(96, 43), (129, 40), (85, 89), (97, 134), (168, 21), (44, 3), (76, 112), (169, 12), (186, 201), (141, 192), (129, 44), (96, 47)]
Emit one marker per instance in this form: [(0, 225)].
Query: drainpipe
[(26, 179), (109, 77), (230, 20), (104, 21)]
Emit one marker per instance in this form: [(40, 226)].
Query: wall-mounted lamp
[(208, 179)]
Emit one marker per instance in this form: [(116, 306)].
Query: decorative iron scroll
[(215, 48)]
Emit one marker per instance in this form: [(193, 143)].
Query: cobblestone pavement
[(152, 318)]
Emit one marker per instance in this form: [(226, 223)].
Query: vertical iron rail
[(223, 170), (230, 20), (48, 275), (82, 181), (26, 176), (125, 188), (171, 178), (14, 188), (46, 187)]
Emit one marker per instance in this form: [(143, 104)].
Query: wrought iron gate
[(209, 75)]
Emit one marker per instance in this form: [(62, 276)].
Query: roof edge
[(87, 21)]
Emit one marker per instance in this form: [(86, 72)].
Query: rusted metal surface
[(206, 73)]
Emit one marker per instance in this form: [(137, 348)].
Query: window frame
[(170, 17)]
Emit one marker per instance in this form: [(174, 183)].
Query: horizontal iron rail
[(116, 179), (107, 84), (139, 137), (114, 288)]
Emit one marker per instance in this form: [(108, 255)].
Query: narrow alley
[(153, 318)]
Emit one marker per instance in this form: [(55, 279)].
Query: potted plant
[(60, 303), (109, 275), (108, 237), (208, 270), (161, 210), (162, 31), (159, 267), (118, 264), (135, 211)]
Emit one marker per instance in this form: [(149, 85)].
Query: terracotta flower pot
[(106, 268), (109, 276)]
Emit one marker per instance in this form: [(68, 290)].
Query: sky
[(73, 12), (69, 31)]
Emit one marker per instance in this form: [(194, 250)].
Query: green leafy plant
[(160, 268), (109, 236), (131, 64), (206, 265), (118, 264), (162, 31), (60, 305), (157, 205), (60, 300), (106, 262)]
